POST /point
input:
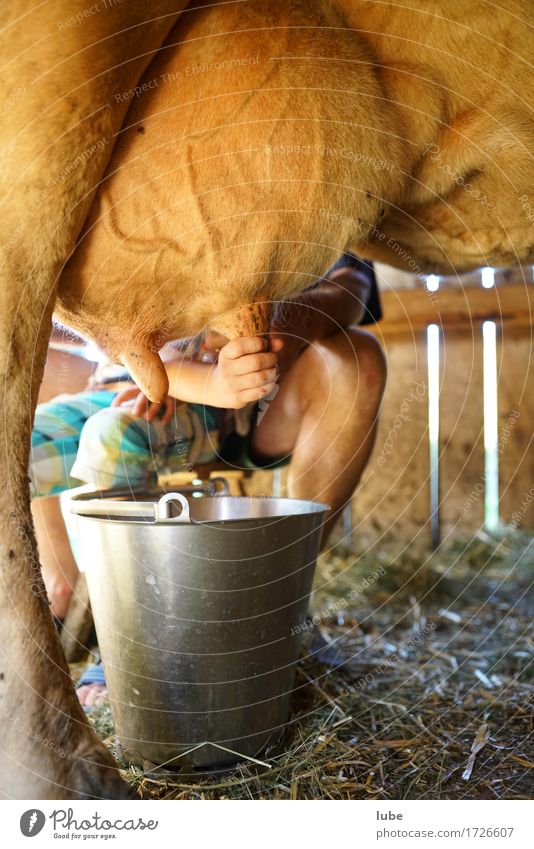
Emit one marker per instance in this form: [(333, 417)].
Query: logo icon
[(32, 822)]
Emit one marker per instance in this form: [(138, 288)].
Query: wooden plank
[(259, 483), (234, 477), (389, 277), (412, 309), (392, 501), (515, 370), (461, 432), (519, 274)]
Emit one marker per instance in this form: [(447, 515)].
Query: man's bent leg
[(325, 416), (55, 439)]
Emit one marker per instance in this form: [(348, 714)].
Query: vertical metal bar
[(347, 523), (491, 427), (433, 340)]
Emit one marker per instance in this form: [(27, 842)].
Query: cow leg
[(48, 750), (59, 122)]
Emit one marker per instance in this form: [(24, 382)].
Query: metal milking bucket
[(195, 601)]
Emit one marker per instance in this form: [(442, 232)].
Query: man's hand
[(245, 372), (143, 408)]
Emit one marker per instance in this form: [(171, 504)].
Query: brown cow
[(262, 140)]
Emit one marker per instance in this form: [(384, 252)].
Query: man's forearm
[(317, 313)]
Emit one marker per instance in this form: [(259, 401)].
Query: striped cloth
[(82, 439)]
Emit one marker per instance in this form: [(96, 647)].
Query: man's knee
[(358, 355), (370, 352)]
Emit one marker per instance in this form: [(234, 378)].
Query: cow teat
[(142, 359), (249, 320), (147, 370)]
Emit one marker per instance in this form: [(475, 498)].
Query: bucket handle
[(163, 508), (225, 486)]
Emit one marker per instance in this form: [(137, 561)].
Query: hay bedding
[(415, 683)]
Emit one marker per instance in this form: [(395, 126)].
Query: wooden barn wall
[(461, 432), (393, 496), (460, 311), (515, 366)]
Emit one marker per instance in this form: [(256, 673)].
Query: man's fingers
[(256, 379), (140, 406), (152, 411), (250, 395), (254, 362), (125, 395), (245, 345), (169, 410)]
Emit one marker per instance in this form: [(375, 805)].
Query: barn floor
[(417, 684)]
